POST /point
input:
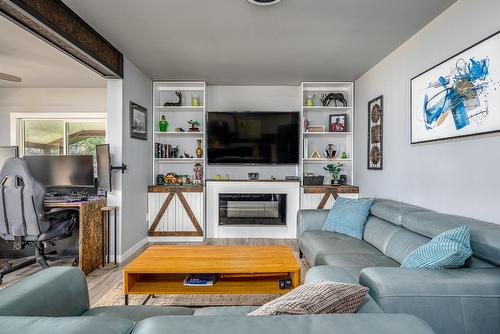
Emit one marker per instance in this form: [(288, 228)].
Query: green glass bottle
[(163, 124)]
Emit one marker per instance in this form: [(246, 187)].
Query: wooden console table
[(176, 211), (161, 269), (323, 197), (89, 231)]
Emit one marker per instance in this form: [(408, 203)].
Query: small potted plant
[(334, 169), (195, 126)]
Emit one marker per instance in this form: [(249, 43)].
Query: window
[(45, 136)]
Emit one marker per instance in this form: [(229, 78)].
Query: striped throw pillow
[(318, 297), (449, 249)]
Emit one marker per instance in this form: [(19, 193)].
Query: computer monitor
[(7, 152), (103, 167), (62, 170)]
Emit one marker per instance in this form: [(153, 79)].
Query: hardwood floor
[(102, 280)]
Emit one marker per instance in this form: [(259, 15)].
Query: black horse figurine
[(175, 104), (327, 99)]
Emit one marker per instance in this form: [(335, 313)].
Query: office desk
[(89, 231)]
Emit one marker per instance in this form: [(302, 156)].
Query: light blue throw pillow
[(449, 249), (348, 216)]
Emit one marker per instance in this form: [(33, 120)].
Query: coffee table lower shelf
[(172, 284)]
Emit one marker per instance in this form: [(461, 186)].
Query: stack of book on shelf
[(199, 280)]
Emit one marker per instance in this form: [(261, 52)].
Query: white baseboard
[(175, 239), (125, 255)]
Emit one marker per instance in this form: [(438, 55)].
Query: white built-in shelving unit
[(177, 117), (319, 115)]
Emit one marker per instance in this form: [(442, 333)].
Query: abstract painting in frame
[(376, 133), (138, 121), (459, 97)]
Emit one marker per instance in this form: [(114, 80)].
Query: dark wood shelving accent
[(346, 189), (168, 189)]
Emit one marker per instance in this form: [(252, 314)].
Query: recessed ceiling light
[(264, 2)]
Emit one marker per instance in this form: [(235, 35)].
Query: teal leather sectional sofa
[(55, 301), (463, 300)]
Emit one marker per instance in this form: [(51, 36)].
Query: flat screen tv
[(253, 138)]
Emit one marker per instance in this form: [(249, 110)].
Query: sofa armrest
[(51, 292), (450, 300), (311, 220)]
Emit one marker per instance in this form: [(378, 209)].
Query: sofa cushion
[(331, 324), (51, 292), (348, 216), (317, 297), (137, 313), (337, 274), (65, 325), (354, 263), (224, 310), (449, 249), (485, 237), (393, 211), (315, 244)]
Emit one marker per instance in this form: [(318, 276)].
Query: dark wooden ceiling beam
[(57, 24)]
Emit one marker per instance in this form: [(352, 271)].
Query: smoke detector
[(264, 3)]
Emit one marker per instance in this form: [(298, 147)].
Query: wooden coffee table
[(161, 269)]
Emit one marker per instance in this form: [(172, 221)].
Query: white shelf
[(179, 160), (325, 108), (324, 160), (326, 133), (181, 88), (179, 108), (180, 134)]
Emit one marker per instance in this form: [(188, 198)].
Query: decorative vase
[(310, 100), (195, 101), (163, 124), (199, 150), (330, 151)]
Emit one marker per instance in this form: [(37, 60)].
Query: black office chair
[(23, 218)]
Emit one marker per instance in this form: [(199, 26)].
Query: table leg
[(108, 240), (295, 278), (114, 234), (102, 239)]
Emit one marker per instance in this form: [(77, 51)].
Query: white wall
[(137, 154), (24, 100), (253, 98), (455, 176)]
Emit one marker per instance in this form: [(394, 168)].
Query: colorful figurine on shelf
[(307, 124), (170, 178), (198, 173), (310, 100), (195, 126), (345, 155)]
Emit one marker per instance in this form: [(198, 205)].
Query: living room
[(267, 166)]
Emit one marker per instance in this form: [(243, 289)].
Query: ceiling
[(235, 43), (38, 63)]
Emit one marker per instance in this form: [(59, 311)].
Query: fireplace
[(252, 209)]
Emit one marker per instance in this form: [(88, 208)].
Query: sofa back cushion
[(393, 211), (485, 237), (392, 240)]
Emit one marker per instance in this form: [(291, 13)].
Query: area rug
[(114, 297)]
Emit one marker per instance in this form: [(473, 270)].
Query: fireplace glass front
[(252, 209)]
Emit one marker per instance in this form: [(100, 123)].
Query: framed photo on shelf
[(458, 97), (337, 123), (138, 121), (376, 133)]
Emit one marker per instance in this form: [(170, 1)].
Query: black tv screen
[(253, 138)]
